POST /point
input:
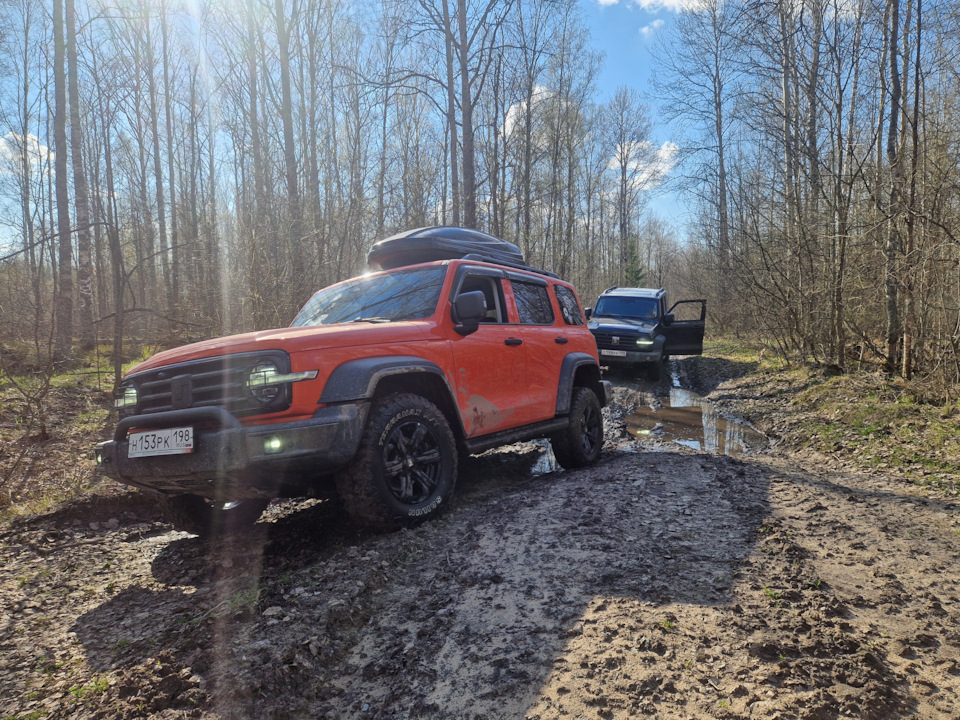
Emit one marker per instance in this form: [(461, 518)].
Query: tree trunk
[(892, 244), (174, 297), (909, 311), (448, 43), (466, 113), (63, 345), (81, 193), (300, 290), (157, 162)]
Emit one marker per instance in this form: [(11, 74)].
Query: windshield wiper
[(373, 320)]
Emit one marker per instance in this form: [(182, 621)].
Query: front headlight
[(265, 380), (126, 399), (645, 343), (262, 382)]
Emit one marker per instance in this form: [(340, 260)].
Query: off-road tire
[(406, 468), (580, 443), (195, 514)]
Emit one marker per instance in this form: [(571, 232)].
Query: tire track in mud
[(889, 559), (528, 574)]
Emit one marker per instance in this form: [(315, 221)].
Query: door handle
[(561, 340), (513, 341)]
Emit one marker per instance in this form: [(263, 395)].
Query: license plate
[(169, 441), (614, 353)]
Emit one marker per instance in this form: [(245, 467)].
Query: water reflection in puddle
[(688, 419), (546, 462)]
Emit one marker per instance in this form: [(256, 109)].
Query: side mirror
[(588, 312), (467, 311), (668, 319)]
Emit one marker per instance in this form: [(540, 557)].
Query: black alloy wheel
[(591, 430), (412, 461)]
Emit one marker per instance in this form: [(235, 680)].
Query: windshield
[(404, 295), (628, 307)]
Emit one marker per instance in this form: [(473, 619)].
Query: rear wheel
[(197, 515), (579, 444), (406, 468)]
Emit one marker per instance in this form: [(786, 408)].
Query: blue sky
[(625, 30)]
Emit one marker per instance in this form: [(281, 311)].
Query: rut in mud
[(664, 581)]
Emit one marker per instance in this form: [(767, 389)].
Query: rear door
[(543, 340), (684, 336)]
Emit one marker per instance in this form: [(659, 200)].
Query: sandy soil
[(662, 582)]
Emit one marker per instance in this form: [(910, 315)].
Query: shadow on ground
[(309, 616)]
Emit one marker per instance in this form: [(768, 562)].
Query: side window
[(492, 292), (533, 303), (569, 307)]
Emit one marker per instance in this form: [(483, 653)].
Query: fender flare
[(358, 379), (568, 373), (659, 342)]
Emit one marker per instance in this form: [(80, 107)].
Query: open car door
[(684, 332)]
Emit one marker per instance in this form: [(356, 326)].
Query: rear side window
[(569, 307), (533, 303)]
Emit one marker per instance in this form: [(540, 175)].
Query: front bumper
[(231, 461), (630, 357)]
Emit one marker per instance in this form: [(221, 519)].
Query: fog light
[(99, 459), (272, 445)]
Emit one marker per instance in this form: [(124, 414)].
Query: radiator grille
[(219, 381), (626, 341)]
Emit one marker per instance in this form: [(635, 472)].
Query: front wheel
[(406, 468), (579, 444), (654, 371), (197, 515)]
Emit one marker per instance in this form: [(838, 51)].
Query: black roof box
[(441, 243)]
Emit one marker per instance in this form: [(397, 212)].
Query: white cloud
[(664, 159), (515, 113), (12, 146), (648, 30), (675, 5), (607, 3), (648, 165)]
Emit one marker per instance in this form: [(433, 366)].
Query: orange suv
[(374, 391)]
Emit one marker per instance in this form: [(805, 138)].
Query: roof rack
[(477, 257)]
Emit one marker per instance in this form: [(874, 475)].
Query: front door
[(491, 362), (684, 336)]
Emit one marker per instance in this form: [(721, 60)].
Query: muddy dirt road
[(666, 581)]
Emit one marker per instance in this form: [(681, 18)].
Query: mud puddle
[(546, 462), (688, 419)]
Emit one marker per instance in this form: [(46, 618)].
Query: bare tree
[(628, 137), (64, 301)]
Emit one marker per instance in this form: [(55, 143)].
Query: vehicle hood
[(621, 325), (292, 340)]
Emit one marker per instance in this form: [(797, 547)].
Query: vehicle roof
[(507, 267), (483, 262), (634, 292)]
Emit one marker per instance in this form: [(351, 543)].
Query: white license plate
[(614, 353), (169, 441)]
